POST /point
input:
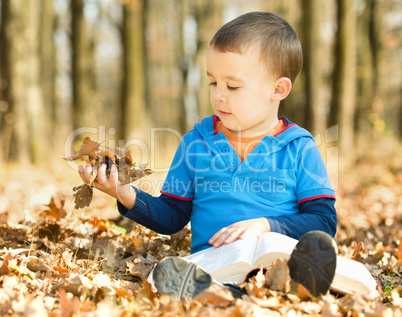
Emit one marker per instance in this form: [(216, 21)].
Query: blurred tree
[(167, 72), (343, 98), (82, 67), (183, 60), (294, 105), (133, 114), (314, 114), (208, 15), (6, 107), (48, 69), (367, 74), (37, 122), (22, 122)]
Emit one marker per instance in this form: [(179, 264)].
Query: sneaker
[(180, 278), (313, 262)]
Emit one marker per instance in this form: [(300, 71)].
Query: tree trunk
[(342, 110), (133, 112), (23, 121), (314, 115), (81, 66), (48, 73), (208, 14), (34, 98), (6, 106), (183, 62), (367, 75)]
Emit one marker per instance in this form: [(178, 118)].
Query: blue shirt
[(277, 177)]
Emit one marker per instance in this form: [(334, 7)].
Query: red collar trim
[(215, 120), (286, 126)]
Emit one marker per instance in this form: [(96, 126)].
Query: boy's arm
[(163, 214), (316, 214)]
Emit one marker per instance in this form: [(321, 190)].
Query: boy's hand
[(252, 227), (110, 184)]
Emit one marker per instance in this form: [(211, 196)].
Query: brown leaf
[(310, 307), (277, 276), (303, 293), (76, 283), (270, 302), (4, 269), (83, 196), (89, 151), (215, 295), (36, 265), (138, 268), (128, 175), (68, 307), (56, 209)]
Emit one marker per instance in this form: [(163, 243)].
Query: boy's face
[(241, 92)]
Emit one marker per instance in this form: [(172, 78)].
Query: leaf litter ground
[(58, 261)]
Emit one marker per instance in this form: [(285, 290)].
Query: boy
[(243, 171)]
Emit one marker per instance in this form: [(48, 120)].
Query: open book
[(232, 262)]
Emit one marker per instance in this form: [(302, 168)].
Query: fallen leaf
[(310, 307), (4, 269), (89, 151), (68, 307), (55, 209), (83, 196), (277, 276), (215, 295)]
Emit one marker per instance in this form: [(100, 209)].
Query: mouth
[(223, 113)]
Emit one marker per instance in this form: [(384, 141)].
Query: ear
[(282, 88)]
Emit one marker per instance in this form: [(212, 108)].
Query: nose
[(217, 96)]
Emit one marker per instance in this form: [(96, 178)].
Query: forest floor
[(57, 261)]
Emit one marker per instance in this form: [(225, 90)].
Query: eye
[(231, 88), (212, 84)]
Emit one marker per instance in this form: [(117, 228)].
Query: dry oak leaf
[(138, 269), (4, 269), (270, 302), (215, 295), (76, 283), (83, 196), (56, 209), (68, 307), (89, 151), (277, 276)]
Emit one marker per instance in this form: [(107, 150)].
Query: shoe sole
[(313, 262), (179, 278)]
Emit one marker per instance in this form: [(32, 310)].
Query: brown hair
[(275, 39)]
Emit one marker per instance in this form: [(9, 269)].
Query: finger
[(114, 173), (227, 237), (216, 236), (234, 235), (102, 174), (86, 174), (81, 171)]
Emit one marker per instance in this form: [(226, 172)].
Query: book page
[(272, 246), (227, 259), (352, 277)]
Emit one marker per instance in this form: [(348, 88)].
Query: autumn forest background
[(131, 73)]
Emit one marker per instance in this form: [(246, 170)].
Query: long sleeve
[(163, 214), (316, 214)]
